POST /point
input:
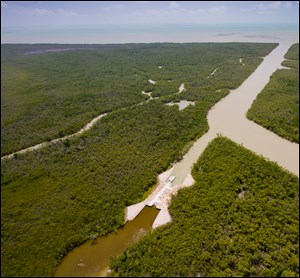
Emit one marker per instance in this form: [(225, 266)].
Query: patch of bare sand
[(132, 211)]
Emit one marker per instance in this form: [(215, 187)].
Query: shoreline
[(159, 33)]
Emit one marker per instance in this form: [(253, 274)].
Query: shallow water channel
[(227, 117), (92, 258)]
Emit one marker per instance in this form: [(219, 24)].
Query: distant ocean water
[(152, 33)]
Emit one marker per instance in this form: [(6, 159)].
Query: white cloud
[(264, 8), (174, 5), (201, 11), (118, 6), (157, 12), (287, 5), (114, 7), (275, 5), (3, 4), (43, 11), (245, 10), (63, 12), (269, 7), (66, 13), (218, 9)]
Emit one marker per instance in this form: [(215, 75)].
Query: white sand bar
[(164, 200), (211, 74), (160, 197), (160, 193), (148, 94), (132, 211), (182, 104), (162, 218), (181, 88)]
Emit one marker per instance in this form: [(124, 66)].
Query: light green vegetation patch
[(292, 57), (240, 219), (277, 106), (293, 52), (57, 197)]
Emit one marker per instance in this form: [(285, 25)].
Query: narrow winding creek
[(227, 118)]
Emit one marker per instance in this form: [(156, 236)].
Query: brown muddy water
[(227, 118), (92, 258)]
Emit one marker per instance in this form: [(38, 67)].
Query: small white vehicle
[(171, 178)]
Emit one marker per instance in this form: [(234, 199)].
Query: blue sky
[(95, 13)]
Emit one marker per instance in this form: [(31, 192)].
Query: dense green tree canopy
[(57, 197), (277, 106), (52, 94), (239, 219)]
